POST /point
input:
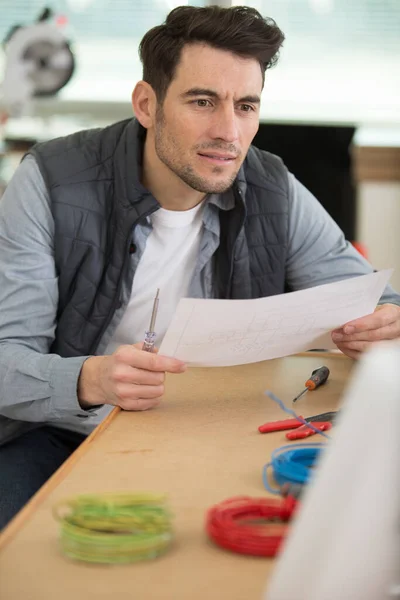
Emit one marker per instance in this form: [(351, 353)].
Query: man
[(92, 224)]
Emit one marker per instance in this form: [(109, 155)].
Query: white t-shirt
[(167, 263)]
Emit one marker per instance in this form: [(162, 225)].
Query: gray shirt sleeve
[(34, 385), (318, 252)]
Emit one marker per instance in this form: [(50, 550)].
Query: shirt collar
[(224, 201)]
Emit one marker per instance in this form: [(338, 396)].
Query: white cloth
[(167, 263), (345, 542)]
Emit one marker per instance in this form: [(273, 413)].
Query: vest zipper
[(238, 192)]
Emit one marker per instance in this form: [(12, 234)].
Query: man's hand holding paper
[(357, 336), (226, 332)]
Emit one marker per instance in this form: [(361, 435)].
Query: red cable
[(235, 524)]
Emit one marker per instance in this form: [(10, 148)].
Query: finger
[(139, 404), (389, 332), (359, 347), (127, 391), (149, 360), (123, 373), (355, 354), (385, 315), (143, 377)]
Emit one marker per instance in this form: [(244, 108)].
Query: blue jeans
[(28, 461)]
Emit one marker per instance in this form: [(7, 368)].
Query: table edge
[(28, 510)]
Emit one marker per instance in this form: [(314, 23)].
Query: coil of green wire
[(114, 528)]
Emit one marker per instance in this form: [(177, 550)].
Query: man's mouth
[(219, 158)]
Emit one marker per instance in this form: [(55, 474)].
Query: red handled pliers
[(322, 422)]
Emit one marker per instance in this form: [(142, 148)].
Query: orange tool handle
[(318, 377)]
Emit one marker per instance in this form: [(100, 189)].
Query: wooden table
[(201, 447)]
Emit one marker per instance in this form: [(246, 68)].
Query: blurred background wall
[(330, 108)]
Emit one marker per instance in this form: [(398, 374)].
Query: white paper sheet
[(231, 332)]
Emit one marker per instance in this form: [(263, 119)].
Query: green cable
[(114, 528)]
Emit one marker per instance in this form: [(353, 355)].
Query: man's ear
[(144, 104)]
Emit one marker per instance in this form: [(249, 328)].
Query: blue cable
[(292, 464)]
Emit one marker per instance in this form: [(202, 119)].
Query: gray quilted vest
[(93, 178)]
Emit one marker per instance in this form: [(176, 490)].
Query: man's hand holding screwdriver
[(129, 378)]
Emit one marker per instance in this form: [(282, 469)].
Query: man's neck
[(169, 190)]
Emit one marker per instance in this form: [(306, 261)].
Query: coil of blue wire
[(292, 465)]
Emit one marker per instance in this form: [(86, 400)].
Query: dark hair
[(239, 29)]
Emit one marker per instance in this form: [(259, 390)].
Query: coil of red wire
[(255, 526)]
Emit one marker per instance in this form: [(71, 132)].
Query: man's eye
[(246, 107), (202, 102)]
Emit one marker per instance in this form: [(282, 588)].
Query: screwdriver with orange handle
[(318, 377)]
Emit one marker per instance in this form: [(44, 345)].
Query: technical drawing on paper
[(260, 332), (215, 332)]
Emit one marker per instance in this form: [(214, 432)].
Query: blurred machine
[(38, 62)]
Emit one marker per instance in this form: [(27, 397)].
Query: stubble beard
[(169, 153)]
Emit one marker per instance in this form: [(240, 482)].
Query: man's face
[(209, 117)]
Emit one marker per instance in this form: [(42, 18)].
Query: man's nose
[(225, 125)]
